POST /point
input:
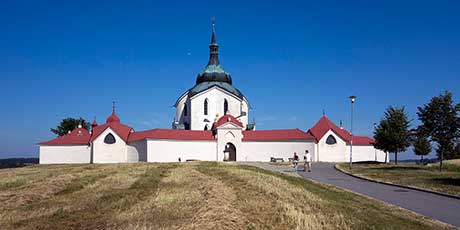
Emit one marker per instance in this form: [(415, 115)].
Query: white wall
[(366, 153), (63, 154), (340, 152), (171, 150), (264, 150), (332, 153), (216, 97), (137, 151), (180, 110), (109, 153)]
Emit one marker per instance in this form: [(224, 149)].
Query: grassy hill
[(199, 195)]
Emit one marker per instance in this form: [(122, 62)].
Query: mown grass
[(199, 195), (410, 174)]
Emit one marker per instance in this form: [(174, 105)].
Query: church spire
[(213, 47)]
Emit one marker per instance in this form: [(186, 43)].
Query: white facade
[(172, 150), (195, 116), (264, 150), (65, 154), (329, 153), (366, 153), (340, 151), (110, 153)]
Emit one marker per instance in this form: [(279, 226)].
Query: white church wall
[(109, 153), (137, 151), (365, 153), (216, 98), (264, 150), (180, 110), (332, 153), (65, 154), (172, 150)]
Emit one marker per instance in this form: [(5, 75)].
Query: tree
[(69, 124), (440, 121), (392, 135), (422, 145)]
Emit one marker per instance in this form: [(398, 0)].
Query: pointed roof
[(113, 117), (228, 119), (78, 136), (213, 72), (94, 124), (324, 125), (113, 122)]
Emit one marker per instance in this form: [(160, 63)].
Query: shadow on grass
[(447, 181)]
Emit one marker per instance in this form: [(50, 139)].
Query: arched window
[(206, 127), (331, 140), (185, 110), (109, 139), (206, 107), (225, 106)]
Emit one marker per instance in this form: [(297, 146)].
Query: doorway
[(231, 150)]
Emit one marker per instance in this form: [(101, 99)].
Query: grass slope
[(200, 195), (409, 174)]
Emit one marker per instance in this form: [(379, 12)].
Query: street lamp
[(352, 100), (375, 150)]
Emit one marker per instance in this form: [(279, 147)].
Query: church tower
[(212, 97)]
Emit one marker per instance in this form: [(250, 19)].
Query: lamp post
[(352, 100), (375, 150)]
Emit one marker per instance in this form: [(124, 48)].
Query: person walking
[(296, 161), (307, 163)]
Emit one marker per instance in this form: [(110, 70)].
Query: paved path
[(438, 207)]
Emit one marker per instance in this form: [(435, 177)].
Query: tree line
[(439, 127)]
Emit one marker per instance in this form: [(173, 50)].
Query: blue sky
[(292, 59)]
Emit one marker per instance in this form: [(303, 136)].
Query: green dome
[(214, 73)]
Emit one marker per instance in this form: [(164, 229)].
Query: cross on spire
[(213, 21), (113, 106)]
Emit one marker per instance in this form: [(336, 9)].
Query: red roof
[(362, 140), (276, 135), (173, 134), (113, 118), (78, 136), (324, 125), (228, 118), (114, 123), (94, 123), (121, 130)]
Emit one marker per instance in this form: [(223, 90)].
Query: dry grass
[(198, 195), (410, 174)]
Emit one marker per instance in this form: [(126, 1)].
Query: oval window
[(109, 139), (331, 140)]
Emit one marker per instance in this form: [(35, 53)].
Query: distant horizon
[(291, 60)]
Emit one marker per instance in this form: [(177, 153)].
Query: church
[(211, 124)]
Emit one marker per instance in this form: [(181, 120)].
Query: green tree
[(392, 134), (69, 124), (422, 145), (441, 123)]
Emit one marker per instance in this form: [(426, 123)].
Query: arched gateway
[(230, 149)]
